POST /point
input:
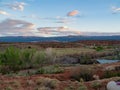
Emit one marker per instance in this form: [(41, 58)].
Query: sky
[(59, 17)]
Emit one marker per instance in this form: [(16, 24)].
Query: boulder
[(112, 85)]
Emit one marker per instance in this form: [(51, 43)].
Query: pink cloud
[(73, 13)]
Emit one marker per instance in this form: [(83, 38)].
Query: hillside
[(55, 39)]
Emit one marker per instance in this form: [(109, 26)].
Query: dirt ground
[(63, 78)]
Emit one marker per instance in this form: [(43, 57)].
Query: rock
[(112, 85), (67, 60)]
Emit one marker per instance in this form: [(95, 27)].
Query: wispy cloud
[(57, 31), (65, 20), (4, 13), (57, 19), (73, 13), (33, 16), (16, 6), (115, 9)]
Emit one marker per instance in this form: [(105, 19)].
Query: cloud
[(115, 9), (33, 16), (4, 13), (57, 31), (73, 13), (16, 6), (16, 27), (65, 20)]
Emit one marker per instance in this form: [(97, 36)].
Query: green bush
[(26, 56), (14, 59), (70, 88), (109, 74), (82, 86), (10, 60), (96, 85), (98, 48), (39, 58), (11, 56), (50, 70)]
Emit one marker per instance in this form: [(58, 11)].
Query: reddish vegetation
[(63, 44), (101, 42), (64, 78)]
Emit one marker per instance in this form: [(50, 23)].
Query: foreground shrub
[(39, 58), (47, 82), (14, 59), (109, 74), (42, 88), (84, 73), (70, 88), (82, 86), (8, 88), (26, 56), (96, 85), (50, 55), (10, 60)]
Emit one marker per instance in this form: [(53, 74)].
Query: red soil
[(64, 78)]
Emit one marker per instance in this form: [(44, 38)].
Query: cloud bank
[(57, 31), (16, 27)]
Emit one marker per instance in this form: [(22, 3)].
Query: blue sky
[(58, 17)]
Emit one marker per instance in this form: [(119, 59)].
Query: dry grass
[(47, 82), (69, 51)]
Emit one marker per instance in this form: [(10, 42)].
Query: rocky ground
[(55, 81)]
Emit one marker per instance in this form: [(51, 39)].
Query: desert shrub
[(15, 83), (85, 74), (82, 86), (14, 59), (10, 60), (26, 58), (98, 48), (96, 85), (39, 58), (117, 68), (8, 88), (40, 71), (109, 74), (25, 73), (50, 55), (70, 88), (87, 60), (47, 82), (42, 88), (29, 82), (50, 70)]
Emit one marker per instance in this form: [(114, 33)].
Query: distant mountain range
[(55, 39)]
